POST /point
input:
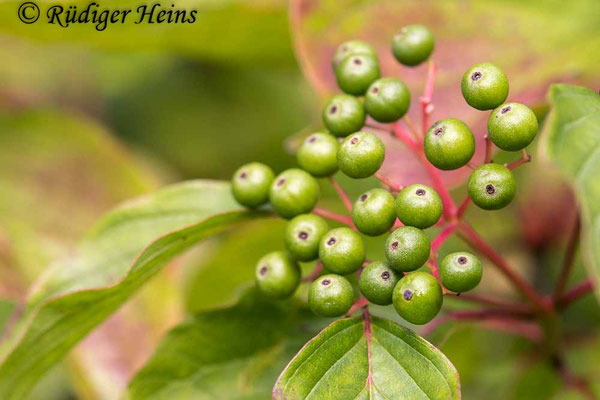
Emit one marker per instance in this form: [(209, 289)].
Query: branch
[(357, 305), (568, 261), (388, 183), (577, 292), (477, 243), (405, 137), (342, 193), (520, 308), (488, 149), (449, 208), (342, 219), (426, 106), (315, 273), (463, 207), (525, 158)]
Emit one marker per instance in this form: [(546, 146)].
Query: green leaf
[(124, 250), (571, 141), (233, 353), (370, 358)]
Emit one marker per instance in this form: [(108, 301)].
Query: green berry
[(352, 47), (407, 249), (356, 73), (387, 100), (277, 275), (418, 298), (484, 86), (419, 206), (449, 144), (342, 251), (318, 154), (361, 155), (413, 45), (492, 186), (330, 296), (512, 126), (303, 235), (373, 213), (460, 272), (377, 282), (294, 192), (250, 184), (343, 115)]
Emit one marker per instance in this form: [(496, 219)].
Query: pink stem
[(426, 105), (449, 208), (477, 243), (388, 183), (315, 273), (492, 302), (334, 217), (342, 193), (441, 237), (575, 293), (404, 136), (525, 158), (357, 305)]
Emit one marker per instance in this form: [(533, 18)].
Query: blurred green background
[(89, 119)]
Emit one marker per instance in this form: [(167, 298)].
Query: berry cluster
[(448, 144)]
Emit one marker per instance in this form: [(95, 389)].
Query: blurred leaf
[(59, 172), (571, 142), (6, 309), (377, 358), (233, 353), (124, 250), (208, 120), (247, 31), (224, 267), (533, 41)]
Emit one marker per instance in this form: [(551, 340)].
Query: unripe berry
[(484, 86), (373, 213), (303, 235), (492, 186), (460, 272), (356, 73), (407, 249), (413, 45), (449, 144), (419, 206), (294, 192), (318, 154), (342, 251), (387, 100), (512, 126), (343, 115), (351, 47), (361, 155), (377, 282), (418, 297), (277, 275), (330, 296), (250, 184)]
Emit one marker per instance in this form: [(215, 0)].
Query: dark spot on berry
[(243, 175), (490, 189), (263, 270), (420, 192), (462, 260), (475, 76), (281, 182), (385, 275), (394, 245), (438, 131), (375, 90), (363, 197), (506, 109), (303, 235), (354, 140), (312, 139), (331, 241), (408, 295), (357, 61), (333, 109), (325, 282)]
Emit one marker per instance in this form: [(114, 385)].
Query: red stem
[(488, 149), (449, 208), (342, 193), (492, 302), (357, 305), (441, 237), (525, 158), (426, 105), (334, 217), (388, 183), (463, 207), (477, 243), (575, 293), (405, 136), (315, 273), (568, 262)]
